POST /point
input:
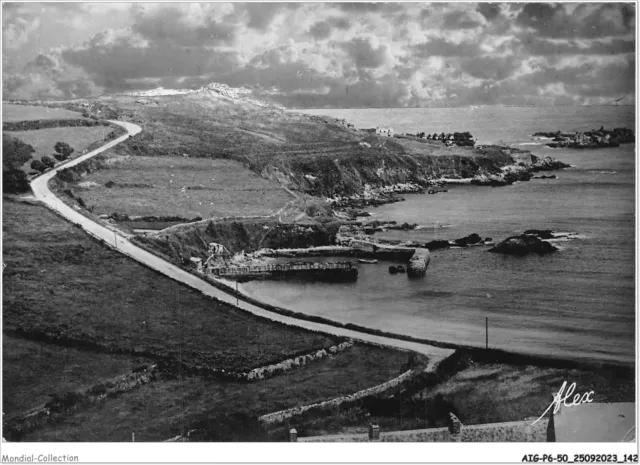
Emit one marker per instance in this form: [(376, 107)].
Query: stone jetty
[(335, 272), (418, 263)]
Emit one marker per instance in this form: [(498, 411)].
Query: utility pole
[(237, 294), (486, 328)]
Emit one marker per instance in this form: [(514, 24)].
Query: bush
[(47, 161), (14, 181), (38, 166), (63, 149), (15, 153)]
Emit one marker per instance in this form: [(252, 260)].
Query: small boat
[(367, 260)]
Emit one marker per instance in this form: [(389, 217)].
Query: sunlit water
[(577, 303)]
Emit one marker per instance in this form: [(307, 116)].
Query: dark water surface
[(577, 303)]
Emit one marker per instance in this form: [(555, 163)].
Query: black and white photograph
[(257, 224)]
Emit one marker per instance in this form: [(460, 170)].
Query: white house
[(387, 132)]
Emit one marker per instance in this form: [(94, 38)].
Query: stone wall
[(515, 431), (282, 415), (293, 363)]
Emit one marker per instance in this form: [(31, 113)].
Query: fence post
[(486, 329), (374, 432), (455, 428)]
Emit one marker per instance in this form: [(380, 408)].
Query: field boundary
[(283, 415), (34, 125)]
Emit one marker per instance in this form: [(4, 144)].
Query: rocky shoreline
[(590, 139), (374, 196)]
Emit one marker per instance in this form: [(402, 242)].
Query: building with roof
[(387, 132)]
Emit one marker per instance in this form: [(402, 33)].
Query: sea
[(577, 304)]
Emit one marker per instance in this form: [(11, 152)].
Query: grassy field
[(11, 113), (58, 281), (43, 140), (31, 371), (478, 393), (490, 393), (167, 408), (188, 187)]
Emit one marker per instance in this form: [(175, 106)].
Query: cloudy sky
[(327, 54)]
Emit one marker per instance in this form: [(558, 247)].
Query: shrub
[(38, 166), (63, 149), (14, 181), (438, 409), (15, 153), (67, 175), (47, 161)]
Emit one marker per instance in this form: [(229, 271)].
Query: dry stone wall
[(282, 415)]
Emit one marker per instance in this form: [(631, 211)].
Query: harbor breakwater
[(313, 271)]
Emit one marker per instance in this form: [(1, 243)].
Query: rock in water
[(418, 264), (438, 244), (468, 240), (541, 233), (522, 245)]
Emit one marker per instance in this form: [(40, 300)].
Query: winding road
[(116, 240)]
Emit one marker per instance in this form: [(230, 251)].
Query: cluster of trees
[(62, 152), (459, 138), (16, 153)]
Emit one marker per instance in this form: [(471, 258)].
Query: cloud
[(260, 15), (172, 25), (490, 11), (365, 55), (444, 48), (490, 68), (322, 29), (369, 7), (48, 77), (462, 20), (534, 45), (113, 61), (385, 92), (17, 26), (586, 21), (272, 70), (326, 54)]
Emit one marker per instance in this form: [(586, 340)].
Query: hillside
[(317, 155)]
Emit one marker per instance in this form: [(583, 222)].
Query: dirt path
[(122, 244)]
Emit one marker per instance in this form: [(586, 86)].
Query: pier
[(334, 271)]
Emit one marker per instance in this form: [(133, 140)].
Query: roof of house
[(596, 422)]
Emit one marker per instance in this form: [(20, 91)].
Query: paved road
[(123, 245)]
